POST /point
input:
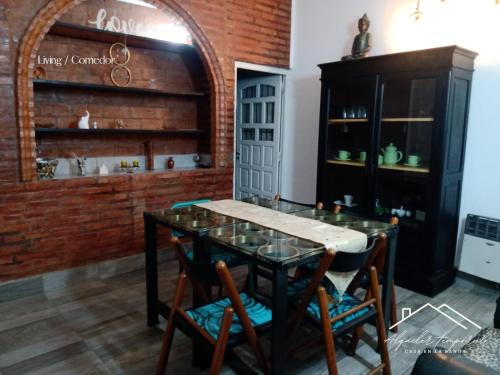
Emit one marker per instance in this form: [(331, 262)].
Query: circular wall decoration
[(39, 73), (121, 76), (120, 53)]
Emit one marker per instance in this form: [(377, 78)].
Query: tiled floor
[(99, 328)]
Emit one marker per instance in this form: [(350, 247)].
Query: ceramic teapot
[(391, 154)]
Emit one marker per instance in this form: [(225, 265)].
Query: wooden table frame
[(277, 274)]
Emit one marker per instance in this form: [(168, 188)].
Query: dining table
[(259, 231)]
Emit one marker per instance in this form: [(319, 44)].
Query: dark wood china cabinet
[(392, 134)]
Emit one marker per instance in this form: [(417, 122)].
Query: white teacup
[(413, 160)]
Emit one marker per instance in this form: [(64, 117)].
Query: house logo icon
[(445, 310)]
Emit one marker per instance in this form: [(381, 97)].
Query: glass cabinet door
[(404, 155), (349, 134), (407, 121)]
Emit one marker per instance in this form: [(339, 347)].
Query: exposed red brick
[(51, 225)]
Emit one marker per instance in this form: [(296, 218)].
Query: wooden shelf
[(89, 33), (351, 163), (405, 168), (160, 133), (408, 119), (39, 83), (347, 120)]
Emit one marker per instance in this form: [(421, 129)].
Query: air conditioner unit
[(481, 248)]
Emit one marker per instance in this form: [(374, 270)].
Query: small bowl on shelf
[(129, 169), (46, 168)]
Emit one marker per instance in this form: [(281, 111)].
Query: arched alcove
[(28, 51)]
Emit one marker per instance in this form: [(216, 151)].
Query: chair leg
[(394, 314), (165, 348), (382, 342), (356, 335), (327, 332), (220, 347), (169, 333)]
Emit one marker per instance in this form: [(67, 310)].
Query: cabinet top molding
[(441, 57)]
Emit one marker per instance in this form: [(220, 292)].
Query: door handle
[(237, 156)]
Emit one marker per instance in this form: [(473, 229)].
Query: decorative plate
[(121, 76), (120, 53)]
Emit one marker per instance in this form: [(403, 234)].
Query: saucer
[(342, 203), (413, 165), (348, 159)]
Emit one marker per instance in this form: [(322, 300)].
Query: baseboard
[(50, 281), (478, 281), (429, 285)]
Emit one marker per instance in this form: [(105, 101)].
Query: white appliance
[(481, 248)]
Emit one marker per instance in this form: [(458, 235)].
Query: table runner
[(331, 236)]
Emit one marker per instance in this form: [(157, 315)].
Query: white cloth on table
[(331, 236)]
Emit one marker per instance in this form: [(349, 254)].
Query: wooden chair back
[(239, 308), (349, 262), (298, 316), (200, 275), (372, 298), (376, 259)]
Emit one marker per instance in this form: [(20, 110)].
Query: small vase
[(170, 162)]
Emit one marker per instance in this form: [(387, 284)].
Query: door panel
[(258, 153)]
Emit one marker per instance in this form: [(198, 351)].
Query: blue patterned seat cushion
[(231, 260), (209, 317), (297, 289)]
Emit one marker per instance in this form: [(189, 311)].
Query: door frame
[(264, 69)]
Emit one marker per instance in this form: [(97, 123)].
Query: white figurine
[(84, 121), (103, 170)]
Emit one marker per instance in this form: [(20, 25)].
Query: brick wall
[(51, 225)]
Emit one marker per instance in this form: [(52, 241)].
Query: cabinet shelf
[(408, 119), (40, 83), (89, 33), (351, 163), (347, 120), (143, 132), (396, 167)]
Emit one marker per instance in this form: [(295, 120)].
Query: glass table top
[(278, 205), (263, 242), (193, 218)]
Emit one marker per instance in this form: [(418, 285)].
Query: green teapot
[(391, 154)]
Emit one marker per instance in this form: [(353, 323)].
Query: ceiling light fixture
[(417, 13)]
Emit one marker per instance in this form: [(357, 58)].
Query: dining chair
[(336, 315), (219, 325), (378, 261)]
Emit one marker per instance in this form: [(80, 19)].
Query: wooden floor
[(100, 328)]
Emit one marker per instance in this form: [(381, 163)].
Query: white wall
[(323, 30)]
